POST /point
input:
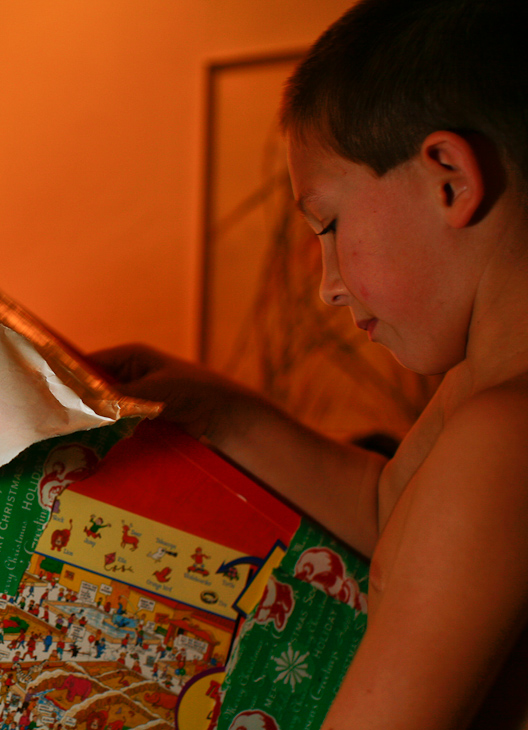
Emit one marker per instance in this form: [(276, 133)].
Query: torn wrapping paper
[(46, 389), (50, 402)]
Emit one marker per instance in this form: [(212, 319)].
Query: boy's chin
[(426, 363)]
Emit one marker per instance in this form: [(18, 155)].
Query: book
[(127, 611)]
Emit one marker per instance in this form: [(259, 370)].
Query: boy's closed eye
[(330, 228)]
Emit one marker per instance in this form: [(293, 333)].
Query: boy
[(407, 130)]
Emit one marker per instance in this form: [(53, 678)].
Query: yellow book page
[(127, 547)]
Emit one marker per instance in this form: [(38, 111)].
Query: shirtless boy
[(407, 130)]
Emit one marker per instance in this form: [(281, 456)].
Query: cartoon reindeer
[(128, 539)]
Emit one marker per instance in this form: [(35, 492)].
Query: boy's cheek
[(365, 293)]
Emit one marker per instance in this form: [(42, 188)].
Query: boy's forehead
[(317, 172), (310, 156), (311, 166)]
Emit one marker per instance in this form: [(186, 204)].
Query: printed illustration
[(93, 530), (160, 553), (199, 558), (60, 538), (80, 650), (276, 605), (109, 625), (254, 720), (65, 465), (129, 538), (163, 575), (325, 569)]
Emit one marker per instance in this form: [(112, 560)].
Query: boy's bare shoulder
[(466, 500), (479, 460), (486, 433), (497, 415), (473, 445)]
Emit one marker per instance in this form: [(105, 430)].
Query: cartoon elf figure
[(31, 646), (61, 645), (8, 682), (95, 526), (181, 659)]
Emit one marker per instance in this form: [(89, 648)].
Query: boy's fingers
[(116, 355), (126, 362)]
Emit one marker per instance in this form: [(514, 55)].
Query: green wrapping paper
[(295, 647), (34, 479)]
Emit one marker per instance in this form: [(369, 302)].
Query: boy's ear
[(456, 174)]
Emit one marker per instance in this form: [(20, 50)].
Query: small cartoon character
[(160, 553), (60, 538), (97, 523), (181, 659), (31, 646), (199, 558)]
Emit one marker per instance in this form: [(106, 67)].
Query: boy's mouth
[(368, 325)]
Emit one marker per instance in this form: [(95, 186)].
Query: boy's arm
[(313, 472), (335, 483), (448, 579)]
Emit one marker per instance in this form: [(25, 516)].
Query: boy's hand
[(194, 397)]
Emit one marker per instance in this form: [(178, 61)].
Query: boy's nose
[(332, 289)]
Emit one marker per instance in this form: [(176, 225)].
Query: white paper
[(35, 404)]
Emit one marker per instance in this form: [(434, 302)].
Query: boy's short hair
[(390, 72)]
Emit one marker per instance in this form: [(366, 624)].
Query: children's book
[(127, 611)]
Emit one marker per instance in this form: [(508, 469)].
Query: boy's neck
[(498, 336)]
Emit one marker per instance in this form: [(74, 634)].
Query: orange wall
[(101, 154)]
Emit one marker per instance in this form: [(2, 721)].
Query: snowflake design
[(291, 667)]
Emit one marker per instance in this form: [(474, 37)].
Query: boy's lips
[(368, 325)]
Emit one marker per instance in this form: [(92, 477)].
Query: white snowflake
[(291, 667)]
